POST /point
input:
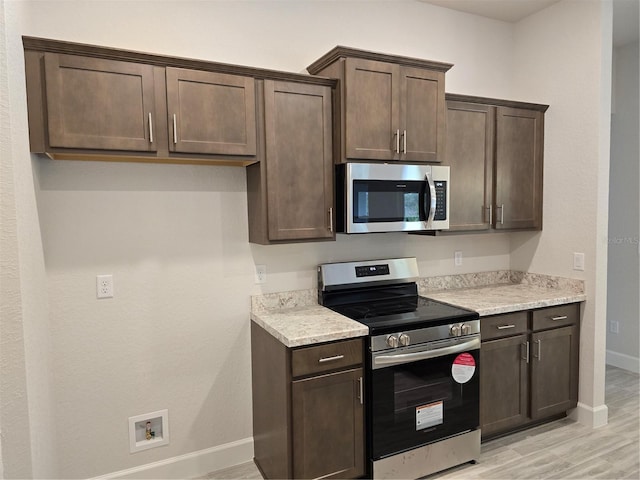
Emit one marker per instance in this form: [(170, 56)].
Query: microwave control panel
[(441, 200)]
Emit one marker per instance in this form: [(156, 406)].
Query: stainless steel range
[(422, 384)]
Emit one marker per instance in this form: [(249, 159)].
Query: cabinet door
[(469, 151), (99, 104), (211, 113), (299, 161), (518, 168), (328, 428), (504, 381), (554, 371), (372, 129), (422, 110)]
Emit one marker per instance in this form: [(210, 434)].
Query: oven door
[(414, 403)]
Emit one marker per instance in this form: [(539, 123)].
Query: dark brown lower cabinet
[(554, 382), (529, 367), (504, 384), (327, 426), (308, 415)]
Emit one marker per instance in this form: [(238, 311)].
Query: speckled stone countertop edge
[(308, 325), (485, 311)]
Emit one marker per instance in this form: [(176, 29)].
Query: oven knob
[(455, 330), (466, 329), (392, 341), (404, 340)]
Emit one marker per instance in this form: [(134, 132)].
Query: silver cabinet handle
[(504, 327), (526, 346), (175, 129), (398, 141), (539, 356), (404, 141), (331, 359), (490, 208), (150, 128), (360, 390), (559, 317), (331, 219), (502, 214)]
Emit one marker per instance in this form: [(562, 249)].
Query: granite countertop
[(296, 319), (306, 325), (492, 300)]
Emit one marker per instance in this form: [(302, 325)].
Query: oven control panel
[(453, 333), (372, 270)]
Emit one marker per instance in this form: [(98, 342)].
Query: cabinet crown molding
[(343, 52), (71, 48), (496, 102)]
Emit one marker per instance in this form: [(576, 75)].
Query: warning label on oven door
[(429, 415), (463, 368)]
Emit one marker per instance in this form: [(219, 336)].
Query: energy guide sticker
[(429, 415), (463, 368)]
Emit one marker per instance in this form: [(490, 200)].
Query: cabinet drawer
[(554, 317), (506, 325), (323, 358)]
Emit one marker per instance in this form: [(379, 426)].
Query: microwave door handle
[(430, 204)]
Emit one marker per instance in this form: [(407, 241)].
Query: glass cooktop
[(386, 316)]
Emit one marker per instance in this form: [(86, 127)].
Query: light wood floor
[(559, 450)]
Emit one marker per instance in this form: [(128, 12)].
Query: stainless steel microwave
[(391, 197)]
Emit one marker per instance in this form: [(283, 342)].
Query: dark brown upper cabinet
[(469, 153), (518, 168), (97, 103), (495, 149), (392, 107), (210, 112), (290, 191)]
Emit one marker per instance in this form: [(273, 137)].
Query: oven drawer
[(505, 325), (327, 357), (554, 317)]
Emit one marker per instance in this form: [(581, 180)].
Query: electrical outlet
[(614, 326), (261, 274), (104, 286), (457, 258), (578, 261)]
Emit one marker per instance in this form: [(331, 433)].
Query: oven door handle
[(399, 359)]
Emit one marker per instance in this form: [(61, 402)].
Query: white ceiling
[(505, 10), (626, 15)]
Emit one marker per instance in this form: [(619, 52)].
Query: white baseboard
[(592, 417), (621, 360), (191, 465)]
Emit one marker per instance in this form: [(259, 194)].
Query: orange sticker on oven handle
[(463, 368)]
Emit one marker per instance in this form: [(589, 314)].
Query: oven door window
[(388, 201), (421, 402)]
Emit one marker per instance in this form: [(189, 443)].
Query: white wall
[(176, 334), (563, 54), (624, 211), (26, 419)]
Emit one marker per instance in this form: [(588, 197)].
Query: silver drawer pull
[(504, 327), (559, 317), (331, 359)]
